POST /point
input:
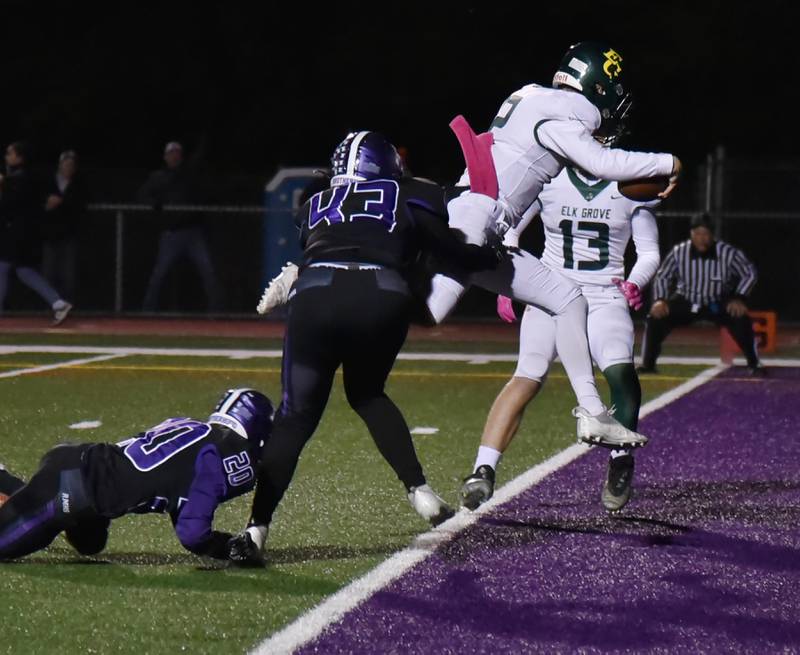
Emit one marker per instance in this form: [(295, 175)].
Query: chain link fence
[(753, 205)]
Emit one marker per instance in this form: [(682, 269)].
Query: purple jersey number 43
[(374, 200)]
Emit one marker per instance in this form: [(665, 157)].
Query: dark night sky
[(284, 83)]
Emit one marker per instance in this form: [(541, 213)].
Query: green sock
[(626, 393)]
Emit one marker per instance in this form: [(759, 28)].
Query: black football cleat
[(244, 553), (9, 483), (478, 487), (617, 489)]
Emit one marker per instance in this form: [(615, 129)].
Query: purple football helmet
[(247, 412), (365, 156)]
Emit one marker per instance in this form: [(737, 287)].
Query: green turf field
[(344, 513)]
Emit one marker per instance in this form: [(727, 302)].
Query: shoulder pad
[(582, 110), (561, 105)]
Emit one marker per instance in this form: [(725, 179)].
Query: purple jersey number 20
[(374, 200)]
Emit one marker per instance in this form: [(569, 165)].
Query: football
[(643, 188)]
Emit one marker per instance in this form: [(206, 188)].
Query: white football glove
[(277, 291)]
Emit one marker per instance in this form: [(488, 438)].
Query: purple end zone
[(706, 557)]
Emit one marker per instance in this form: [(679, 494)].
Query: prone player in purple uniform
[(182, 467)]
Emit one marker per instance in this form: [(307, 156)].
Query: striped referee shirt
[(725, 271)]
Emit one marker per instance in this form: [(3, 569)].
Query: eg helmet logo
[(612, 67)]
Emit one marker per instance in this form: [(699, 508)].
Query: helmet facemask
[(595, 71), (613, 124)]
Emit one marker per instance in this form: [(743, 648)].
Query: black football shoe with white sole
[(478, 487), (617, 489)]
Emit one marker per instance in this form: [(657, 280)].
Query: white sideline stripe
[(311, 624), (234, 353), (50, 367), (125, 351)]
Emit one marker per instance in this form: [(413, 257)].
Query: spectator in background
[(67, 198), (701, 279), (21, 207), (182, 232)]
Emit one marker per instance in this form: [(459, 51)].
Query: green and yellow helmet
[(595, 70)]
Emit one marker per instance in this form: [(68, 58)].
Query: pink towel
[(477, 151)]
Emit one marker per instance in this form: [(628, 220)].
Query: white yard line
[(233, 353), (311, 624), (50, 367), (236, 353)]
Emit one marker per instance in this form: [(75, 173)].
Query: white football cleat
[(429, 505), (277, 291), (61, 308), (605, 430)]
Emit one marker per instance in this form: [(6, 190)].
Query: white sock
[(572, 345), (487, 456)]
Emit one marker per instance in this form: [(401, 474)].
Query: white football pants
[(610, 333), (524, 278)]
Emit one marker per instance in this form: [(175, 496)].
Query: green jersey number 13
[(600, 243)]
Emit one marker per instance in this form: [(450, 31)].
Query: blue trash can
[(281, 197)]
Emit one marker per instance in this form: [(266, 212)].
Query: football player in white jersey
[(537, 132), (587, 225)]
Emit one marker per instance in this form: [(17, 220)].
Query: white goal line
[(239, 353)]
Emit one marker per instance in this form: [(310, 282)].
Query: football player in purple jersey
[(351, 306), (182, 467)]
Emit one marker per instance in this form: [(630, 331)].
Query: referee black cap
[(703, 219)]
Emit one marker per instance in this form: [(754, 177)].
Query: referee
[(701, 279)]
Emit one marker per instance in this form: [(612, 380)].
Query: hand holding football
[(643, 188)]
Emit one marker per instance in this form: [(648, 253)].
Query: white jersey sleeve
[(538, 130), (572, 140), (644, 231), (511, 238)]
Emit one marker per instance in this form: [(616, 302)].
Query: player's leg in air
[(611, 343), (524, 278), (611, 338), (536, 351), (474, 215)]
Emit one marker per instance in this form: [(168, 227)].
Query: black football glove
[(494, 242), (242, 551)]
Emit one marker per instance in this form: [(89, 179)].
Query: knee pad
[(473, 214), (87, 540), (444, 295)]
